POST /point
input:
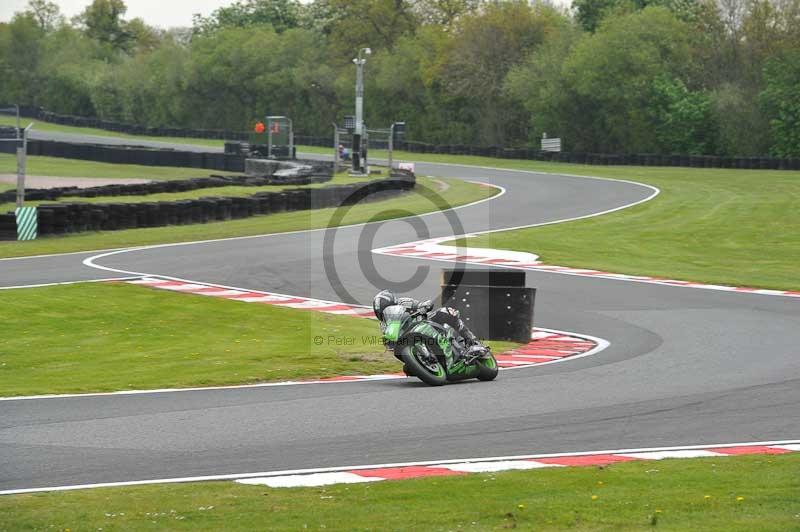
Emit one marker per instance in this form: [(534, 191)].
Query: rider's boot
[(474, 347)]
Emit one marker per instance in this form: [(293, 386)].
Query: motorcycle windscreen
[(393, 318)]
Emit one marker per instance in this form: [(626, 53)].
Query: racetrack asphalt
[(685, 366)]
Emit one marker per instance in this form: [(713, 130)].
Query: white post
[(22, 160), (269, 138), (335, 148), (391, 147), (291, 138), (20, 176), (358, 166)]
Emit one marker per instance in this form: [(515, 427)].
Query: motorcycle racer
[(443, 316)]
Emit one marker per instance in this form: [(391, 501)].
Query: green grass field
[(747, 493), (458, 193), (95, 337), (716, 226)]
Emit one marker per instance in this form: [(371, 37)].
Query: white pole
[(22, 160), (391, 147), (335, 148)]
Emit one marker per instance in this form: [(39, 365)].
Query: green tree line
[(618, 76)]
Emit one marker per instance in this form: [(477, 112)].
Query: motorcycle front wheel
[(423, 364), (487, 368)]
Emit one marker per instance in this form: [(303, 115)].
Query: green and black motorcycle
[(430, 351)]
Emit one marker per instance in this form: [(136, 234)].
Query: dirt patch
[(33, 181), (441, 185)]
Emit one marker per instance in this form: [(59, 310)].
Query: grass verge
[(97, 337), (457, 193), (40, 125), (728, 494), (714, 226), (58, 167)]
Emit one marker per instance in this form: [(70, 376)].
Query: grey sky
[(162, 13)]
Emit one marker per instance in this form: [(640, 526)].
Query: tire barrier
[(131, 155), (8, 133), (136, 155), (65, 218), (599, 159), (494, 304), (319, 174), (603, 159), (8, 226)]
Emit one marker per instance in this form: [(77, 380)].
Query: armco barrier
[(131, 155), (131, 129), (63, 218), (604, 159), (321, 173), (699, 161)]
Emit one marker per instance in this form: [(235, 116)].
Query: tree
[(538, 85), (102, 21), (488, 44), (145, 38), (781, 99), (70, 61), (23, 54), (684, 121), (589, 13), (743, 128), (280, 14), (444, 13), (611, 74), (374, 23), (47, 14)]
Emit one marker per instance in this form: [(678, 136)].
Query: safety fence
[(131, 129), (132, 155), (319, 174), (604, 159), (65, 218), (600, 159)]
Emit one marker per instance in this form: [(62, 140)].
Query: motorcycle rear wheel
[(424, 364)]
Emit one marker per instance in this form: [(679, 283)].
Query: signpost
[(27, 223), (27, 218), (399, 129), (550, 144), (274, 130)]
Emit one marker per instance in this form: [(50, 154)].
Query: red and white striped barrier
[(546, 346), (492, 465), (252, 296), (432, 249)]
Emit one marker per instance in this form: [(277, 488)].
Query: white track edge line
[(235, 476), (41, 285), (501, 192)]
